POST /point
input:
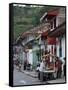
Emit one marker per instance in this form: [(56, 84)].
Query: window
[(53, 24), (55, 50)]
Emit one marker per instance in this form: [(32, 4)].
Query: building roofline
[(50, 33), (46, 13)]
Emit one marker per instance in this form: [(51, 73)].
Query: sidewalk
[(34, 74), (61, 80), (31, 73)]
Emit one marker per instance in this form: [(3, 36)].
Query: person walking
[(41, 69), (65, 67), (58, 65), (25, 64)]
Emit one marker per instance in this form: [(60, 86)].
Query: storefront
[(59, 33)]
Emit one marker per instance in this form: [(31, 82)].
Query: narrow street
[(40, 47), (23, 79)]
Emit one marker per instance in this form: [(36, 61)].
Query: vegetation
[(27, 17)]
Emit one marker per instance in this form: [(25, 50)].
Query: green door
[(36, 58)]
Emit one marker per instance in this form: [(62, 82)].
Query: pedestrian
[(64, 66), (38, 66), (41, 69), (58, 65), (25, 64), (38, 71), (20, 66)]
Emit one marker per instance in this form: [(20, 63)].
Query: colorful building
[(49, 36), (33, 44), (57, 33)]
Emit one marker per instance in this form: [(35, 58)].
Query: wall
[(35, 57), (63, 47), (57, 47), (30, 56), (60, 17)]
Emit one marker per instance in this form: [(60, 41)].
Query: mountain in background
[(25, 18)]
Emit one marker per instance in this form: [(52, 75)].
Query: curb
[(34, 76)]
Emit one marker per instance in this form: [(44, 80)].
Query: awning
[(50, 14)]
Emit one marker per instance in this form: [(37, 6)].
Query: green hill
[(27, 17)]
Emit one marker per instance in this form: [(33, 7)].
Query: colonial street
[(24, 79)]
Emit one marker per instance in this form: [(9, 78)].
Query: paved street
[(21, 78)]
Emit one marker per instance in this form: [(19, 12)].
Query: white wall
[(63, 46), (57, 48), (60, 17), (30, 56), (23, 57)]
